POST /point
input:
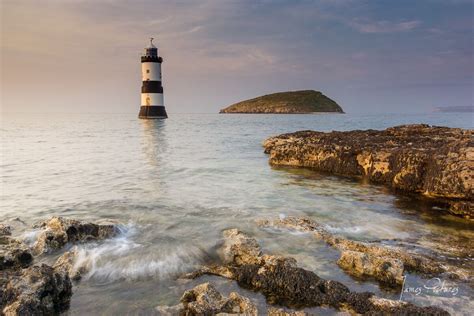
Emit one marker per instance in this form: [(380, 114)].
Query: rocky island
[(437, 162), (291, 102)]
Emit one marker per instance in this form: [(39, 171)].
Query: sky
[(380, 56)]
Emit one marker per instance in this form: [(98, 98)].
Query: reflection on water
[(176, 184), (154, 141)]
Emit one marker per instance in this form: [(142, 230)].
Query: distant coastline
[(455, 109)]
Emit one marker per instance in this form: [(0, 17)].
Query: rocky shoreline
[(28, 287), (436, 162), (283, 283), (31, 288)]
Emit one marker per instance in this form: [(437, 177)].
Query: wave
[(121, 258)]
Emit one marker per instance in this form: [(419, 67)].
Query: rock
[(204, 299), (67, 263), (37, 290), (272, 311), (387, 270), (437, 162), (283, 283), (240, 248), (384, 263), (14, 254), (5, 230), (304, 101), (59, 231)]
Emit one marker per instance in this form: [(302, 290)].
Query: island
[(291, 102)]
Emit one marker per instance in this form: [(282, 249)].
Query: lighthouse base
[(152, 112)]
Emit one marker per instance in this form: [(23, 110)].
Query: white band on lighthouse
[(150, 99), (151, 72)]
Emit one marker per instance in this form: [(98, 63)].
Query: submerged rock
[(204, 299), (437, 162), (37, 290), (384, 263), (283, 283), (58, 231)]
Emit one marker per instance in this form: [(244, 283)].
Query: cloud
[(384, 26)]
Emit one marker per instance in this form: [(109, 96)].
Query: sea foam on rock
[(58, 231), (27, 288), (282, 282), (437, 162), (386, 264)]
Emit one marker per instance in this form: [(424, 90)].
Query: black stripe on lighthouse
[(152, 87)]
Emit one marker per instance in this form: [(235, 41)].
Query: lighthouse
[(152, 105)]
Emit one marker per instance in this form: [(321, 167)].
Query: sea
[(173, 186)]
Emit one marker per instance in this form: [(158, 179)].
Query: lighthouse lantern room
[(152, 105)]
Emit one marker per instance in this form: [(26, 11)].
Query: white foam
[(121, 258), (30, 237)]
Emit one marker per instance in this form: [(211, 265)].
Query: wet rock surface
[(5, 230), (58, 231), (67, 263), (363, 259), (36, 290), (437, 162), (27, 288), (14, 254), (282, 282), (204, 299)]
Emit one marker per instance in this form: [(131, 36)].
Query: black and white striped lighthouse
[(152, 106)]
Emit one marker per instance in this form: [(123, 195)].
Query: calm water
[(176, 184)]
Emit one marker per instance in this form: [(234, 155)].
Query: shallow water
[(174, 185)]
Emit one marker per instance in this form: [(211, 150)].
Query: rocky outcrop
[(67, 263), (437, 162), (386, 264), (58, 231), (283, 283), (14, 254), (272, 311), (204, 299), (39, 289), (36, 290), (5, 230), (291, 102)]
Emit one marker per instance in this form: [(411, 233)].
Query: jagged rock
[(384, 269), (14, 254), (204, 299), (67, 263), (58, 231), (240, 248), (37, 290), (283, 283), (272, 311), (5, 230), (384, 263), (437, 162)]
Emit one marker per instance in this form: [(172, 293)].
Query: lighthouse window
[(148, 71)]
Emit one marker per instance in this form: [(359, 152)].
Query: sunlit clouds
[(79, 56)]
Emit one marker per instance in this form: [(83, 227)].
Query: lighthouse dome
[(151, 50)]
